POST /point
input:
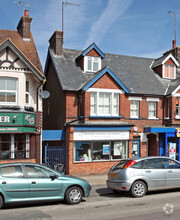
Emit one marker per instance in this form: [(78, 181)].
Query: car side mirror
[(53, 177)]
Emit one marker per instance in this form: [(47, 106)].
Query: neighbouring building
[(111, 106), (21, 80)]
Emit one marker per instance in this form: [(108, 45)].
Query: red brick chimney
[(24, 26), (56, 42), (173, 44)]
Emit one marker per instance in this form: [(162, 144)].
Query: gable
[(9, 60), (99, 76), (106, 82), (93, 52), (11, 57)]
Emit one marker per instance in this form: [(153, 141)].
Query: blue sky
[(127, 27)]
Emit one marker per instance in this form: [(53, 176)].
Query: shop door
[(135, 148)]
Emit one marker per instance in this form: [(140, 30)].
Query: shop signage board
[(17, 119), (101, 135), (17, 129)]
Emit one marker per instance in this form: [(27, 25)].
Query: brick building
[(111, 106), (21, 79)]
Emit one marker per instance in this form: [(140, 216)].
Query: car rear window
[(121, 164)]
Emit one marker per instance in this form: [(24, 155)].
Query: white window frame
[(137, 100), (92, 61), (10, 91), (155, 101), (174, 71), (112, 101), (27, 93)]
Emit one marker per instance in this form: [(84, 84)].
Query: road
[(153, 206)]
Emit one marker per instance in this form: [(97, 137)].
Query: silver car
[(143, 174)]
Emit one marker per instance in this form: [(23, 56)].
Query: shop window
[(104, 104), (119, 149), (101, 150), (14, 146), (8, 91), (82, 151)]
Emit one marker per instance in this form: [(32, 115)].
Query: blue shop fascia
[(169, 140)]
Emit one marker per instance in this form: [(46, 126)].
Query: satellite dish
[(44, 94)]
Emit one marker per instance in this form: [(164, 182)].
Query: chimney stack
[(56, 42), (24, 26), (173, 44)]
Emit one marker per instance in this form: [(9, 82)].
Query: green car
[(24, 182)]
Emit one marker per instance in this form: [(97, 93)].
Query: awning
[(159, 129), (53, 135)]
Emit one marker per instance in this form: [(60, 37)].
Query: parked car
[(144, 174), (23, 182)]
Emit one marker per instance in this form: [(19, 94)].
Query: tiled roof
[(134, 72), (27, 48)]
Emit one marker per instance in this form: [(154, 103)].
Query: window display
[(99, 150)]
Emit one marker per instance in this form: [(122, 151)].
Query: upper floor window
[(8, 91), (152, 109), (104, 104), (169, 71), (27, 94), (92, 64), (178, 108), (134, 109)]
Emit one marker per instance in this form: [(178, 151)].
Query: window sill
[(177, 117), (105, 116), (135, 118), (153, 118)]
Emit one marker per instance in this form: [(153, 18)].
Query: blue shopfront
[(169, 140)]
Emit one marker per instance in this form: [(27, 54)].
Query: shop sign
[(178, 132), (17, 129), (14, 119), (101, 135)]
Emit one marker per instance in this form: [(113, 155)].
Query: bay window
[(8, 91), (104, 104)]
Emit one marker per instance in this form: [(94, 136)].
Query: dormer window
[(169, 71), (92, 64)]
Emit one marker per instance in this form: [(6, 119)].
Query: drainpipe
[(42, 83)]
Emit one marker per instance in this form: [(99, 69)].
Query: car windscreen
[(121, 164)]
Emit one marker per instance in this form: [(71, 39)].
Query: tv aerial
[(174, 13), (64, 3), (23, 4)]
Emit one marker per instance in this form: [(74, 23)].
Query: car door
[(13, 182), (172, 169), (154, 173), (41, 183)]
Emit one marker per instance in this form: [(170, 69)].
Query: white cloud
[(111, 13)]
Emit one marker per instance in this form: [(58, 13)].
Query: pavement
[(98, 183)]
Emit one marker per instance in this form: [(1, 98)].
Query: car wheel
[(138, 189), (1, 202), (73, 195)]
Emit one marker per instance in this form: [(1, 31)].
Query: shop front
[(96, 149), (169, 141), (19, 138)]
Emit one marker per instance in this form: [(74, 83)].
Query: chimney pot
[(26, 13)]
